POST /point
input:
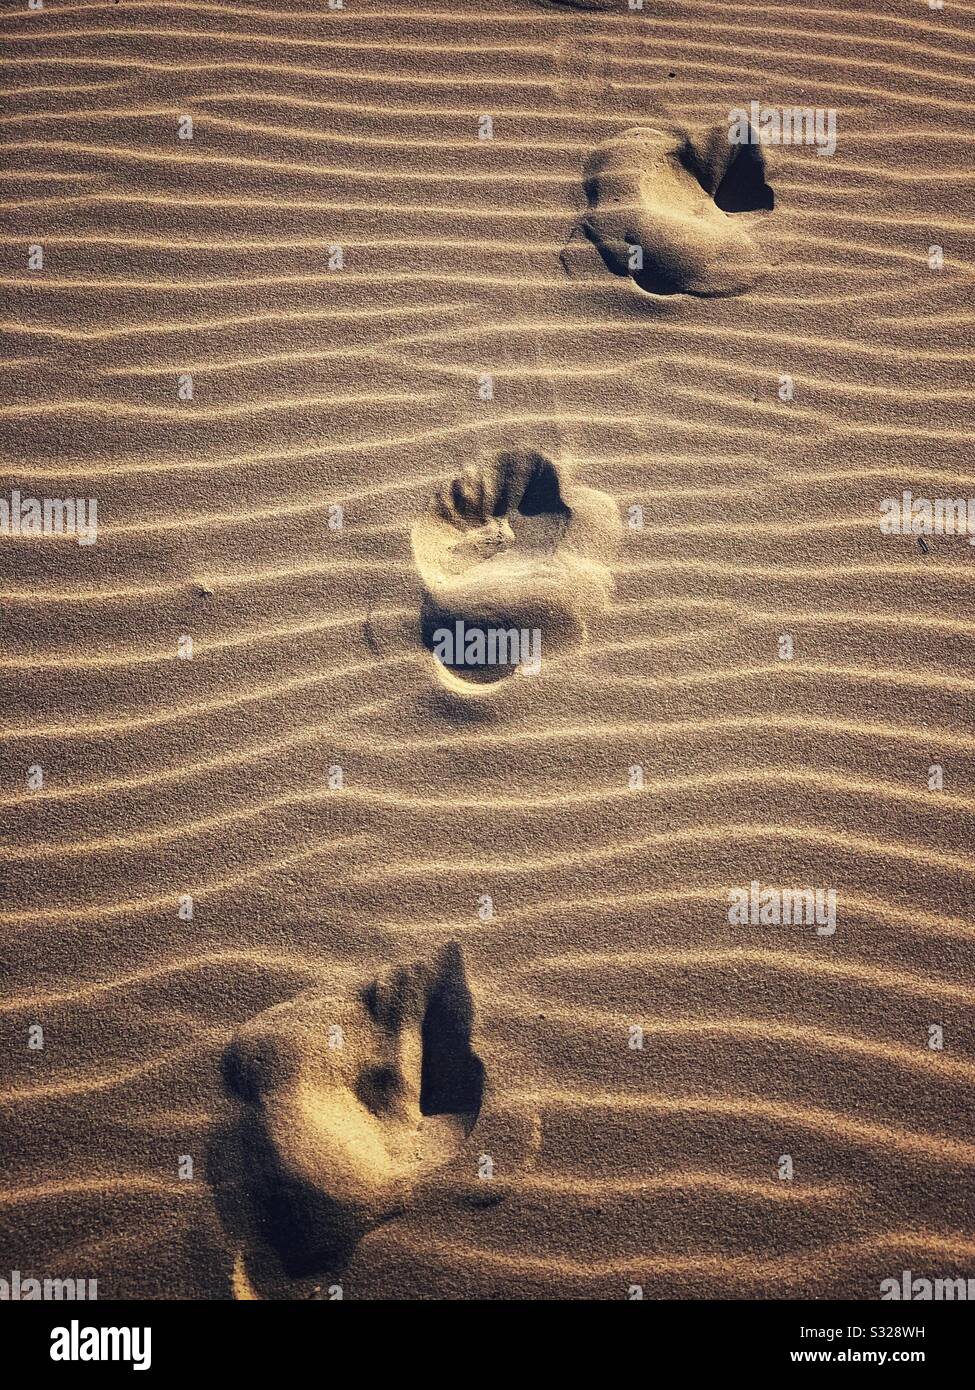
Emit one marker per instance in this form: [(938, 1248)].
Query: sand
[(321, 309)]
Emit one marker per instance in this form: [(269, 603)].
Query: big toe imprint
[(350, 1099), (667, 208), (511, 546)]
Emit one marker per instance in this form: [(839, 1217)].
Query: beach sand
[(368, 298)]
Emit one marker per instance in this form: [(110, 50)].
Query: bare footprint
[(350, 1099), (682, 201), (511, 546)]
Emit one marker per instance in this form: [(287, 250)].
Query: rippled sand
[(352, 136)]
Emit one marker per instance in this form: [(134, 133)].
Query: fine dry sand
[(504, 1036)]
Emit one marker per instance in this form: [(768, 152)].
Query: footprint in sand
[(511, 545), (350, 1098), (684, 201)]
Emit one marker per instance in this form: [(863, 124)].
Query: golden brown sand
[(361, 388)]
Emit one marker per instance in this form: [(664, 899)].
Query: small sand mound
[(512, 546), (668, 208), (350, 1099)]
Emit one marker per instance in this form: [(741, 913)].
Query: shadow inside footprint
[(452, 1075), (671, 209), (511, 557), (347, 1101), (743, 187)]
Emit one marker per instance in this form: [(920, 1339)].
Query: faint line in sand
[(243, 37), (186, 285), (819, 967), (97, 989), (612, 22), (296, 243), (529, 371), (359, 76), (680, 1180), (886, 912), (102, 1187), (151, 328), (288, 132), (521, 806), (214, 201), (832, 1123), (759, 338), (942, 738), (93, 912), (333, 171), (730, 831), (188, 414), (375, 445), (738, 1269), (767, 1030), (202, 645), (916, 920), (108, 1081)]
